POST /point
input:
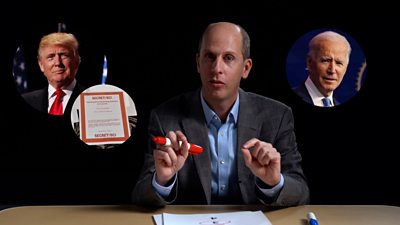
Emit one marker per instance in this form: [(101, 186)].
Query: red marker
[(193, 149)]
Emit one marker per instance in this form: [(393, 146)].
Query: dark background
[(349, 151)]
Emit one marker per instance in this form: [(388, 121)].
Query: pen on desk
[(193, 149), (312, 220)]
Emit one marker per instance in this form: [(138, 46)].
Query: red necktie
[(57, 107)]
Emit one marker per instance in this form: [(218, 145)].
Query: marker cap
[(312, 219), (193, 149), (160, 140)]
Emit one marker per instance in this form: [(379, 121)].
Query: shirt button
[(222, 161), (222, 187)]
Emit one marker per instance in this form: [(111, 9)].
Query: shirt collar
[(67, 90), (316, 96), (210, 114)]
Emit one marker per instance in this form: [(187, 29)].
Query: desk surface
[(131, 215)]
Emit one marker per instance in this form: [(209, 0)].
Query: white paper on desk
[(158, 219), (231, 218)]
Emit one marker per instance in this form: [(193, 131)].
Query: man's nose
[(57, 60), (332, 67), (217, 64)]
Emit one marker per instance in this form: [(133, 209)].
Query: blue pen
[(312, 220)]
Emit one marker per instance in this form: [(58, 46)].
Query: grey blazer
[(259, 117)]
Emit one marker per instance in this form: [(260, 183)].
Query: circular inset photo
[(58, 60), (104, 116), (326, 67)]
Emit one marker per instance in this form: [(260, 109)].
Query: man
[(250, 153), (327, 62), (59, 60)]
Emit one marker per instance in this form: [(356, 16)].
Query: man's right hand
[(170, 159)]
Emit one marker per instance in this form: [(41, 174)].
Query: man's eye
[(65, 56), (210, 57), (229, 57)]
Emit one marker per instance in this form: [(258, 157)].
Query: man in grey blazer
[(250, 153)]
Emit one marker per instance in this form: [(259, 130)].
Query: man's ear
[(247, 67), (198, 62), (308, 62), (40, 65)]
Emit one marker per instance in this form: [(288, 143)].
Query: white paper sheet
[(231, 218)]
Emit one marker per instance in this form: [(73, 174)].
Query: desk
[(132, 215)]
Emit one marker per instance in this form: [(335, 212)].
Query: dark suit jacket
[(259, 117), (39, 99), (302, 91)]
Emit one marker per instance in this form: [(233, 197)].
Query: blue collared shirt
[(223, 147)]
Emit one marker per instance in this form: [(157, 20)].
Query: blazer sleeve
[(295, 190), (143, 192)]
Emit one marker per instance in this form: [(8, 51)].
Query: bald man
[(250, 153)]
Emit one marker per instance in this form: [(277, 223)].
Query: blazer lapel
[(44, 100), (78, 89), (247, 128), (196, 132)]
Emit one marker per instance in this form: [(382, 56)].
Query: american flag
[(19, 65), (19, 71)]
